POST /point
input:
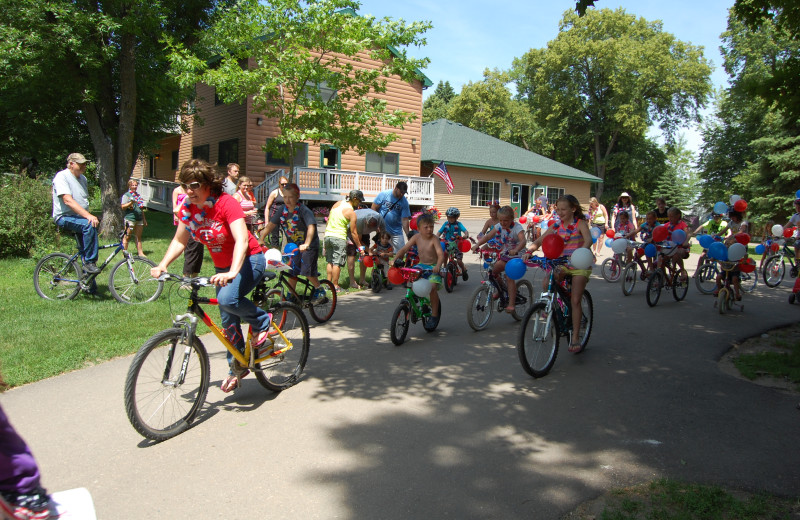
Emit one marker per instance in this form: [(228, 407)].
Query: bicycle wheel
[(706, 278), (57, 277), (322, 311), (400, 323), (159, 402), (449, 279), (524, 299), (774, 270), (722, 300), (537, 343), (680, 285), (282, 371), (749, 281), (453, 268), (132, 283), (587, 319), (610, 270), (377, 282), (479, 308), (654, 284), (431, 328), (629, 278)]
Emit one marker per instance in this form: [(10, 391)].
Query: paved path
[(446, 425)]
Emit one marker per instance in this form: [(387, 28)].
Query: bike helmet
[(356, 194), (452, 212)]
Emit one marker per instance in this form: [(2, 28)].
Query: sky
[(469, 36)]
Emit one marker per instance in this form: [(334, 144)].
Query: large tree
[(438, 103), (307, 71), (609, 75), (95, 68)]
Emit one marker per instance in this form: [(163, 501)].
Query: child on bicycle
[(794, 221), (675, 223), (645, 231), (766, 241), (511, 238), (383, 250), (451, 231), (431, 258), (574, 229), (492, 221)]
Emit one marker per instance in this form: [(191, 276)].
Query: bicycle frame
[(411, 274), (88, 277), (559, 293)]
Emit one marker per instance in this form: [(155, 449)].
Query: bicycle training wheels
[(479, 308), (56, 277), (537, 342), (159, 401), (291, 343), (134, 285), (324, 309)]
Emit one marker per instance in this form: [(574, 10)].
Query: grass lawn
[(45, 338)]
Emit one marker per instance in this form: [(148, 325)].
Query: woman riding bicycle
[(216, 219), (574, 229)]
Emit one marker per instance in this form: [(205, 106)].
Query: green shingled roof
[(457, 145)]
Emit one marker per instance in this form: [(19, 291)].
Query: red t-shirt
[(213, 229)]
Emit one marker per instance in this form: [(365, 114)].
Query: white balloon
[(619, 246), (777, 230), (422, 287), (273, 255), (734, 198), (582, 258), (736, 252)]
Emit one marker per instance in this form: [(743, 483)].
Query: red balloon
[(610, 233), (742, 238), (551, 222), (747, 265), (368, 261), (640, 251), (395, 275), (523, 219), (740, 205), (413, 224), (775, 247), (553, 246), (464, 246), (660, 233), (787, 233), (536, 219)]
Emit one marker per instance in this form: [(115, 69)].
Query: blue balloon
[(718, 251), (594, 239), (720, 207), (444, 246), (515, 268), (705, 241), (596, 232), (760, 249), (543, 225), (797, 194), (679, 236), (609, 241), (289, 248), (650, 250)]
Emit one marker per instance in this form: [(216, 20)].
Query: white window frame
[(475, 197)]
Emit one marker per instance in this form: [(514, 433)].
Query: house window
[(152, 167), (300, 156), (553, 194), (329, 157), (201, 152), (382, 162), (228, 152), (483, 193), (174, 160), (324, 92)]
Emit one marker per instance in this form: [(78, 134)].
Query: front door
[(516, 192)]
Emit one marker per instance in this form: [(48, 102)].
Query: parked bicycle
[(412, 308), (59, 276), (549, 319), (775, 264), (492, 294), (320, 302), (169, 376)]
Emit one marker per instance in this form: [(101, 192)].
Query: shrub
[(25, 208)]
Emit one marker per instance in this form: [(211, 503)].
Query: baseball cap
[(402, 186), (77, 158), (356, 194)]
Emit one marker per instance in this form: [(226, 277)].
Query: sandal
[(575, 348), (510, 310), (232, 382)]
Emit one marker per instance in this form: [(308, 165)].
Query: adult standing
[(598, 217), (231, 179), (133, 206), (624, 204), (274, 206), (247, 200), (367, 221), (341, 222), (71, 209), (214, 218), (393, 207)]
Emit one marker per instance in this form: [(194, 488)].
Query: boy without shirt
[(431, 257)]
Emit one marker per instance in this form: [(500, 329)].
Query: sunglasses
[(191, 186), (284, 184)]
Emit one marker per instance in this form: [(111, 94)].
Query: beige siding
[(462, 181)]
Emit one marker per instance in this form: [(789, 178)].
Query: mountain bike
[(59, 276), (412, 308), (493, 293), (549, 319), (320, 302), (667, 275), (775, 265), (169, 376)]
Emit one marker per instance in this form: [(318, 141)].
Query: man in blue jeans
[(71, 209)]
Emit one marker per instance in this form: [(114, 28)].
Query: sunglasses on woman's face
[(194, 186), (284, 184)]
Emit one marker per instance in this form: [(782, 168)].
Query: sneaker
[(465, 275), (91, 268), (318, 296)]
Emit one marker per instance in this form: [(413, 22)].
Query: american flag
[(441, 171)]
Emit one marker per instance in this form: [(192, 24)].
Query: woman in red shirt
[(216, 219)]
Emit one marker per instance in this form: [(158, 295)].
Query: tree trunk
[(104, 151), (127, 111), (601, 160)]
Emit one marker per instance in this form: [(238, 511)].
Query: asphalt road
[(446, 425)]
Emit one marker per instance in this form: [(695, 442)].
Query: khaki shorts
[(335, 251)]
